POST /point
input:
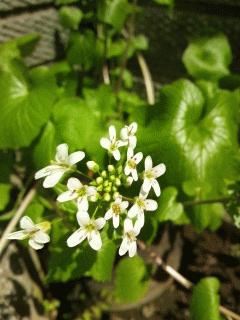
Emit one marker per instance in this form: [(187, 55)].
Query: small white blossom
[(116, 209), (112, 144), (129, 242), (132, 162), (36, 233), (78, 191), (128, 134), (89, 229), (151, 174), (63, 163), (141, 204)]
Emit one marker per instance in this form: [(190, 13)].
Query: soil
[(207, 254)]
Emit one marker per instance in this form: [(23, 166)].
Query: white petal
[(62, 153), (46, 171), (121, 143), (77, 237), (112, 133), (137, 227), (67, 196), (148, 163), (133, 127), (156, 188), (41, 237), (18, 235), (146, 186), (35, 245), (124, 205), (124, 133), (128, 225), (82, 203), (129, 153), (116, 221), (134, 174), (105, 143), (95, 240), (159, 170), (133, 211), (74, 184), (83, 218), (51, 180), (138, 157), (127, 170), (91, 191), (116, 155), (140, 222), (150, 205), (26, 223), (123, 247), (108, 214), (75, 157), (132, 249), (132, 141), (118, 200), (100, 223)]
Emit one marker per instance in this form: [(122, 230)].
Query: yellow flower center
[(116, 208)]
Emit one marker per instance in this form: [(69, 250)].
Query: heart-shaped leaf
[(195, 137)]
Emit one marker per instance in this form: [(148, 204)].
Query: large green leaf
[(208, 58), (205, 300), (195, 137), (26, 103), (70, 17), (131, 279)]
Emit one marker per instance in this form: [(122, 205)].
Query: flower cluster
[(99, 196)]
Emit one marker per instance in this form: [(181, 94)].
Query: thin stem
[(207, 201), (128, 199), (13, 222), (83, 174), (180, 278), (147, 79)]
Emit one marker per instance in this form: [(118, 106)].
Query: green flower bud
[(99, 180), (106, 197), (120, 169), (108, 189), (105, 183), (93, 166), (115, 195), (104, 174), (100, 188), (112, 177), (114, 189), (117, 182), (111, 168), (94, 198)]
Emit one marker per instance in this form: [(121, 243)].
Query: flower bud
[(105, 183), (112, 177), (120, 169), (100, 188), (94, 198), (104, 174), (93, 166), (116, 195), (111, 168), (129, 181), (117, 182), (114, 189), (99, 180), (106, 197), (107, 189)]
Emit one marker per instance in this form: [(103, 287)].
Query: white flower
[(76, 190), (36, 233), (151, 174), (63, 162), (93, 166), (128, 134), (129, 242), (141, 204), (112, 144), (117, 207), (89, 228), (132, 162)]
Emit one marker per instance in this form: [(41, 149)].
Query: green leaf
[(26, 44), (45, 149), (85, 50), (26, 103), (130, 281), (165, 2), (195, 137), (140, 42), (205, 300), (169, 209), (208, 58), (70, 17), (102, 268), (5, 189), (66, 263), (113, 12)]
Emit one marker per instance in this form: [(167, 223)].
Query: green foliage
[(165, 2), (131, 279), (169, 209), (208, 58), (5, 189), (193, 135), (70, 17), (205, 300)]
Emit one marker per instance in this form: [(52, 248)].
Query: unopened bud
[(117, 182), (106, 197), (105, 183), (108, 189), (93, 166), (120, 169), (112, 177), (111, 168), (94, 198), (129, 181), (100, 188), (114, 189), (99, 180), (116, 195), (104, 174)]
